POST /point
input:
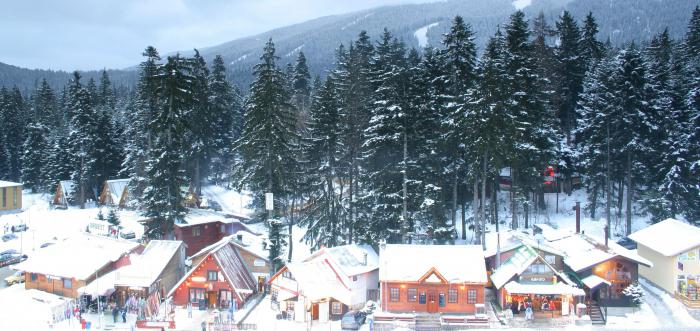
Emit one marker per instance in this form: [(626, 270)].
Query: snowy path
[(231, 202), (668, 310), (422, 34)]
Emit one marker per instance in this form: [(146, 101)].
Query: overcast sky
[(92, 34)]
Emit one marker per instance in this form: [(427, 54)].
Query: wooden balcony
[(694, 304)]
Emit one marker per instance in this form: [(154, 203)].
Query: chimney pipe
[(607, 234), (364, 258), (577, 208)]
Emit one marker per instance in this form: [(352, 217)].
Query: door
[(432, 302), (314, 311), (211, 298)]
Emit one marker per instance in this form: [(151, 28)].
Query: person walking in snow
[(115, 312), (189, 310), (124, 315)]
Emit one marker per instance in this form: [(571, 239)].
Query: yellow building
[(10, 195), (673, 246)]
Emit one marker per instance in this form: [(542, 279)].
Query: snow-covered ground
[(232, 202), (422, 34)]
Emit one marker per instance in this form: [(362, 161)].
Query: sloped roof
[(669, 237), (77, 257), (592, 281), (232, 264), (67, 187), (522, 258), (146, 267), (9, 184), (350, 259), (116, 188), (513, 239), (456, 263), (317, 280)]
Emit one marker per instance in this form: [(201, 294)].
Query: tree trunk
[(620, 195), (197, 180), (404, 184), (290, 227), (630, 194), (351, 194), (475, 210), (526, 210), (513, 206), (594, 202), (454, 199), (464, 216), (483, 201)]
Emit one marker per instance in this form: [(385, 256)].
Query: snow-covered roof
[(103, 285), (456, 263), (116, 188), (317, 280), (584, 251), (592, 281), (515, 265), (350, 259), (543, 289), (9, 184), (146, 267), (66, 187), (205, 216), (77, 257), (232, 265), (550, 233), (513, 239), (669, 237)]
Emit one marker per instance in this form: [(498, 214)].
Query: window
[(471, 296), (551, 259), (67, 283), (394, 294), (336, 308), (421, 298), (4, 196), (196, 294), (14, 197), (452, 296), (196, 231), (354, 278), (412, 295), (441, 300), (33, 277), (212, 275)]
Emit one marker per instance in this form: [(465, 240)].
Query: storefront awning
[(543, 289), (102, 286), (593, 281)]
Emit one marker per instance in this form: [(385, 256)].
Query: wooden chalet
[(115, 193), (72, 264), (63, 196), (151, 274), (221, 275), (10, 195), (200, 232), (327, 284), (432, 279)]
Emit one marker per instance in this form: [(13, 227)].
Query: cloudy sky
[(92, 34)]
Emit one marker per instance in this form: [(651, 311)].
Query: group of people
[(526, 306)]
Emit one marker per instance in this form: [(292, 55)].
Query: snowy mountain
[(417, 25)]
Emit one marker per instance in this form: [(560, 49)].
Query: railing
[(692, 303)]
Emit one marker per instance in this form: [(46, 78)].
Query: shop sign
[(688, 256)]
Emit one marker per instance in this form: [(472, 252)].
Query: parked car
[(353, 320), (213, 205), (46, 244), (19, 228), (128, 235), (16, 278), (9, 236), (8, 259), (9, 251), (627, 243)]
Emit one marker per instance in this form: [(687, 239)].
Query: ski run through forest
[(392, 142)]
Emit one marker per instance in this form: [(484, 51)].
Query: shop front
[(546, 301)]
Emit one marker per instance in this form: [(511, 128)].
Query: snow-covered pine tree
[(36, 147), (267, 143), (13, 118), (301, 86), (635, 292), (355, 90), (200, 121), (323, 151), (385, 156), (533, 131), (692, 106), (109, 154), (4, 157), (570, 70), (162, 199), (226, 109), (113, 217), (592, 49), (81, 141), (139, 134), (460, 57)]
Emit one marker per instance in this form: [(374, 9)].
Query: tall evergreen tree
[(570, 71), (227, 112)]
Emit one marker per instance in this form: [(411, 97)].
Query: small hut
[(115, 193), (63, 195)]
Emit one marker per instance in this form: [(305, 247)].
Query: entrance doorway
[(261, 283), (432, 302), (211, 298), (314, 311)]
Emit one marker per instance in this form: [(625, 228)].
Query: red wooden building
[(432, 279), (199, 233), (221, 275)]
